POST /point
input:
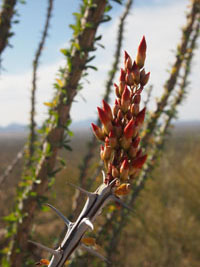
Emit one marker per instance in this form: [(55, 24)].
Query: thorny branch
[(118, 227), (32, 136), (6, 15), (54, 138), (93, 144)]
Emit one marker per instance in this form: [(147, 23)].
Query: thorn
[(113, 182), (104, 176), (89, 194), (95, 253), (118, 200), (50, 250), (89, 223), (67, 222)]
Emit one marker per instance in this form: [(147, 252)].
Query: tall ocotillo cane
[(121, 154)]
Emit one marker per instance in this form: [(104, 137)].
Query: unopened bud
[(137, 99), (43, 262), (107, 152), (140, 117), (105, 120), (126, 56), (139, 162), (129, 115), (119, 115), (128, 64), (115, 172), (107, 109), (141, 53), (112, 139), (129, 129), (124, 170), (122, 76), (121, 87), (135, 73), (98, 132), (125, 99), (144, 79), (125, 142), (115, 108), (123, 189), (129, 78), (118, 129), (117, 90), (135, 108), (132, 152)]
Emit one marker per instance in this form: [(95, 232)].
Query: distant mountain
[(85, 125), (14, 127)]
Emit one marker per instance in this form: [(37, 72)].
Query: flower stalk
[(120, 168)]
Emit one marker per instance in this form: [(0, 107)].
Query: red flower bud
[(115, 109), (119, 115), (135, 108), (136, 142), (125, 99), (98, 132), (126, 56), (128, 64), (139, 153), (141, 53), (115, 172), (121, 87), (104, 118), (140, 117), (135, 73), (117, 90), (107, 152), (129, 129), (144, 80), (122, 76), (129, 115), (124, 169), (125, 142), (139, 162), (112, 139), (129, 78), (136, 99), (118, 129), (107, 109), (132, 151), (123, 189)]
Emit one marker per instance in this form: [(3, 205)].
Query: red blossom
[(129, 129), (141, 53), (107, 109), (139, 162)]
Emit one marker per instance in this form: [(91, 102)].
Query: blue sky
[(158, 20)]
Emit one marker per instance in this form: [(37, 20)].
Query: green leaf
[(67, 147), (10, 218), (91, 67), (90, 59), (98, 38)]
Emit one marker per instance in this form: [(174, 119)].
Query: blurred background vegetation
[(165, 227)]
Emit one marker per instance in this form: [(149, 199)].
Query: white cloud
[(160, 25)]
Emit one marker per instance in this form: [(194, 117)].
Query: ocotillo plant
[(32, 135), (93, 144), (31, 194), (30, 147), (120, 152), (117, 227), (6, 15)]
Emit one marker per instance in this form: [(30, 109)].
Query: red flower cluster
[(121, 154)]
